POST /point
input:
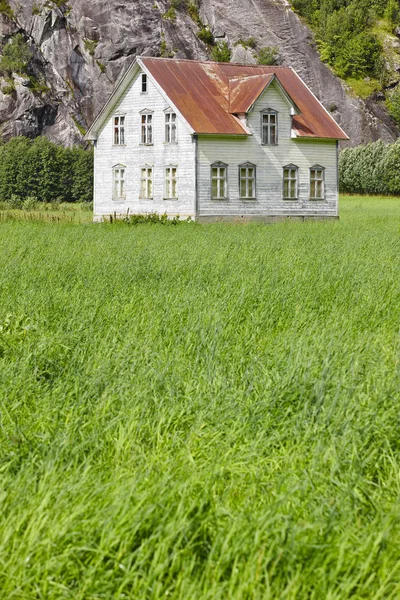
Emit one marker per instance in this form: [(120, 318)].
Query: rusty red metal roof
[(243, 91), (207, 93)]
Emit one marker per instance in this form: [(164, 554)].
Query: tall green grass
[(202, 411)]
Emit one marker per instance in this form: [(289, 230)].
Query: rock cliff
[(79, 49)]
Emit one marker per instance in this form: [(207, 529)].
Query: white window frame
[(267, 125), (119, 182), (219, 177), (144, 83), (171, 129), (146, 182), (146, 127), (170, 183), (247, 178), (315, 180), (119, 130), (290, 178)]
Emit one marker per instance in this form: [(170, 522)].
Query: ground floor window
[(119, 182), (290, 182), (317, 183), (247, 181), (219, 181), (146, 187), (171, 182)]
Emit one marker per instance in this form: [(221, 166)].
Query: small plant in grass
[(15, 202), (30, 203)]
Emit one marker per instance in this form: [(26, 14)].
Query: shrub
[(31, 203), (205, 35), (16, 56), (370, 169), (393, 104), (38, 168), (267, 56), (221, 52)]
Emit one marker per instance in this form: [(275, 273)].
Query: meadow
[(203, 412)]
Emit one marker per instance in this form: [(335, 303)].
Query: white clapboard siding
[(269, 161), (134, 155)]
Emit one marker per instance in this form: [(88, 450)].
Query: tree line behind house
[(38, 170)]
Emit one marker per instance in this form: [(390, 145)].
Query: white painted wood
[(133, 156), (233, 151), (269, 161)]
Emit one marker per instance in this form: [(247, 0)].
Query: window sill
[(248, 199), (170, 198), (317, 199), (145, 198), (290, 199), (170, 143), (121, 199), (140, 144), (119, 145), (219, 199), (263, 144)]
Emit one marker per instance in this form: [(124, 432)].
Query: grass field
[(202, 411)]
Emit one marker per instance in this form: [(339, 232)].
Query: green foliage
[(344, 33), (16, 56), (392, 12), (90, 46), (206, 35), (41, 169), (6, 10), (370, 169), (267, 56), (149, 219), (250, 42), (393, 104), (221, 52), (202, 412)]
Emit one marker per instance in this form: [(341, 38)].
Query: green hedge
[(43, 170), (370, 169)]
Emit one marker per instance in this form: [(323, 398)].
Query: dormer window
[(269, 127), (144, 83), (146, 129), (119, 130), (170, 127)]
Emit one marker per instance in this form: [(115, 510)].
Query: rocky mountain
[(79, 48)]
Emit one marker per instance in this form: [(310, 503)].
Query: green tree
[(16, 56)]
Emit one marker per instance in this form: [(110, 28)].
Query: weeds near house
[(205, 412)]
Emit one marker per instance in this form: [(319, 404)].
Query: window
[(219, 181), (170, 182), (170, 128), (290, 173), (317, 183), (269, 127), (119, 130), (146, 186), (119, 182), (247, 181), (147, 128), (144, 83)]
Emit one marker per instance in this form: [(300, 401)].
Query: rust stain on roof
[(244, 91), (207, 94)]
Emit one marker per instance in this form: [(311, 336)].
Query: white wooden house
[(214, 141)]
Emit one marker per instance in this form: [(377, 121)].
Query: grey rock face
[(80, 51)]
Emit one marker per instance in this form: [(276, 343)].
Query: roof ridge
[(214, 62)]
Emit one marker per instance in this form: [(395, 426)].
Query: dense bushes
[(40, 169), (345, 33), (371, 169)]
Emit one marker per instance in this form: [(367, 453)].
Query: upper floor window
[(219, 179), (170, 182), (247, 181), (146, 182), (119, 130), (170, 128), (317, 183), (290, 182), (269, 127), (146, 136), (144, 83), (119, 182)]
